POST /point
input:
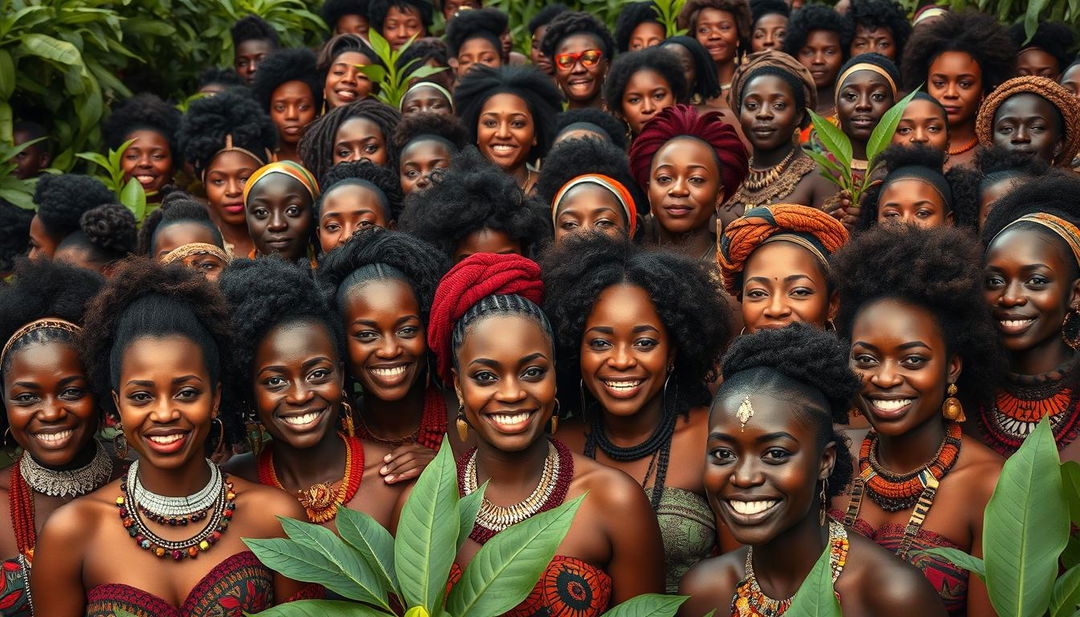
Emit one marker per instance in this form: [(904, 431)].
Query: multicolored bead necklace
[(1018, 408), (320, 500)]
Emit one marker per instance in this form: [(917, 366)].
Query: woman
[(425, 144), (1000, 171), (689, 165), (381, 283), (865, 90), (496, 346), (346, 16), (398, 21), (643, 83), (723, 28), (697, 65), (638, 334), (916, 191), (61, 203), (356, 195), (881, 27), (773, 459), (206, 259), (427, 97), (354, 132), (590, 123), (150, 124), (537, 27), (155, 344), (960, 57), (768, 25), (581, 50), (107, 234), (1046, 53), (180, 220), (775, 262), (1070, 78), (50, 413), (339, 63), (924, 123), (920, 344), (278, 201), (1033, 115), (1031, 277), (226, 137), (473, 38), (638, 27), (288, 88), (819, 38), (509, 113)]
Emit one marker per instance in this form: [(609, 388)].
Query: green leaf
[(816, 597), (1070, 478), (300, 563), (21, 199), (1026, 527), (7, 75), (506, 568), (1065, 598), (374, 544), (968, 562), (1071, 555), (134, 197), (826, 164), (648, 605), (374, 72), (425, 70), (883, 133), (51, 49), (1031, 18), (379, 45), (832, 139), (468, 508), (7, 127), (417, 611), (95, 158), (322, 608)]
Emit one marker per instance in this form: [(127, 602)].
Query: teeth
[(166, 439), (144, 178), (503, 148), (752, 507), (884, 405), (54, 437), (389, 372), (506, 419), (1015, 323), (307, 418), (623, 385)]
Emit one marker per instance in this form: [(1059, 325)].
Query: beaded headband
[(865, 66), (1064, 229), (195, 248), (615, 187), (38, 324)]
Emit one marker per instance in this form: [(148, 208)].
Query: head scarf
[(288, 168), (1066, 104), (615, 187), (777, 60), (428, 84), (808, 227), (1059, 226), (474, 278)]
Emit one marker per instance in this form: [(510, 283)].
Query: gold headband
[(865, 66), (229, 147), (38, 324), (195, 248), (1064, 229)]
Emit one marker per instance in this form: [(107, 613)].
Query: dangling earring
[(7, 433), (347, 424), (824, 502), (462, 425), (221, 436), (1070, 329), (830, 326), (120, 443), (555, 418), (951, 408), (254, 434)]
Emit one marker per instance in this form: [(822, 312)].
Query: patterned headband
[(288, 168), (38, 324), (865, 66), (615, 187), (1064, 229), (195, 248)]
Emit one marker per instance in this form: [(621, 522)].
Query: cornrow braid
[(317, 145), (497, 304)]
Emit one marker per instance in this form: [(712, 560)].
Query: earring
[(555, 418), (824, 495), (830, 326), (347, 424), (854, 412), (120, 444), (462, 425), (951, 408), (7, 433), (1070, 329), (254, 434)]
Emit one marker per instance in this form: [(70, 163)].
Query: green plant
[(815, 597), (668, 12), (12, 189), (393, 80), (130, 193), (368, 566)]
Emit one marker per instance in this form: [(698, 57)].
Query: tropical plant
[(130, 193), (815, 597), (668, 13), (12, 189), (368, 566), (393, 80)]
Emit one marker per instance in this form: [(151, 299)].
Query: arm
[(637, 552), (58, 561)]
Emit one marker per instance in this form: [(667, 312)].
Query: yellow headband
[(865, 66), (1064, 229), (38, 324)]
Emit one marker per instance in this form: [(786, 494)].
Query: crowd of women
[(609, 269)]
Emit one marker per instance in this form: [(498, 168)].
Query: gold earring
[(555, 418), (951, 408), (824, 502), (1070, 329), (120, 443), (348, 426), (462, 425)]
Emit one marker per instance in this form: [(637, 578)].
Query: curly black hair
[(143, 112), (607, 123), (427, 124), (474, 195), (574, 157), (488, 24), (363, 173), (106, 233), (540, 95), (761, 8), (340, 44), (14, 234), (963, 184), (976, 34), (656, 59), (684, 292), (812, 17), (873, 14), (61, 201), (569, 23), (333, 10), (211, 121), (253, 28), (317, 144), (227, 78), (177, 208), (997, 164), (805, 360), (544, 16), (378, 9), (427, 49), (1054, 38), (285, 65), (938, 269), (1054, 194), (739, 9), (706, 84), (632, 15)]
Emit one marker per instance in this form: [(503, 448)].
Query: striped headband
[(288, 168), (804, 239), (865, 66), (616, 188), (427, 84), (39, 324), (1064, 229)]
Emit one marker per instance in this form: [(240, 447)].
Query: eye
[(605, 223), (293, 211), (343, 153), (484, 377), (646, 343), (365, 336), (914, 362), (534, 373), (722, 456), (1037, 280), (408, 331), (319, 374), (993, 282), (72, 393), (568, 225), (332, 227), (24, 398), (139, 397), (599, 344), (371, 148), (755, 294), (903, 130), (274, 381), (260, 212), (775, 455), (864, 360), (802, 292)]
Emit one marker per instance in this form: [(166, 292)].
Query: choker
[(895, 492), (430, 432), (1018, 409), (964, 148), (320, 500), (163, 508), (658, 445), (68, 482)]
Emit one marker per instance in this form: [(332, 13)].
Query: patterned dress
[(569, 587), (688, 529)]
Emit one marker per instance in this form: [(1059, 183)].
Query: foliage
[(130, 193), (18, 192), (668, 13), (393, 80), (815, 597)]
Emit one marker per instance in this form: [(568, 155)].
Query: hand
[(405, 463), (837, 205)]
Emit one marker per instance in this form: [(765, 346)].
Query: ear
[(217, 401), (116, 401), (950, 218), (721, 197), (828, 460), (1074, 297), (453, 64), (834, 305), (956, 364), (457, 386)]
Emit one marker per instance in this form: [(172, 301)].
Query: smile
[(890, 405), (396, 371), (164, 440), (1015, 326), (54, 438), (622, 386), (510, 423), (510, 419), (303, 419), (751, 508)]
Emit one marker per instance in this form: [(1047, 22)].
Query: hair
[(333, 10), (976, 34), (654, 59), (340, 44), (317, 144), (683, 290), (761, 8), (14, 233), (178, 207), (798, 89), (283, 66), (608, 124), (536, 89), (1052, 194), (816, 17), (473, 195), (1054, 38), (378, 10), (878, 60), (487, 24), (143, 112), (211, 120), (569, 23), (937, 269), (544, 16), (62, 200), (223, 77), (253, 28), (416, 127), (923, 96), (886, 14), (799, 357), (366, 174), (739, 9), (996, 164), (706, 84), (106, 233), (963, 184), (574, 157), (425, 49), (33, 131), (632, 15)]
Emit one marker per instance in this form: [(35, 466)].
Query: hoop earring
[(951, 408), (120, 444), (830, 326), (221, 435), (824, 495), (742, 331), (7, 433), (254, 434), (461, 424), (555, 417), (1070, 329), (348, 426)]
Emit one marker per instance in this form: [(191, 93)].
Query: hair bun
[(110, 226)]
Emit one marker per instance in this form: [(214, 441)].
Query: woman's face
[(225, 179), (297, 383), (426, 100), (173, 235), (279, 216), (912, 201), (505, 379), (418, 160), (148, 159), (863, 99), (539, 60), (1035, 61), (477, 50), (783, 284), (822, 56), (955, 79), (898, 351), (1029, 124), (991, 191), (686, 59), (684, 185), (50, 406), (207, 264), (647, 34), (344, 82), (647, 93), (355, 24), (1070, 79), (505, 131), (345, 209), (166, 400), (717, 32), (589, 207), (401, 24), (360, 139), (249, 54), (486, 240), (42, 243), (769, 32), (292, 107), (386, 338), (872, 39), (923, 124), (580, 67), (769, 115)]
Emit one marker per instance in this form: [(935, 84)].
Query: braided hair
[(317, 145)]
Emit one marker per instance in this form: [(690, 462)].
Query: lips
[(291, 130), (389, 375), (889, 408), (581, 84), (510, 422), (55, 439), (279, 243), (503, 150), (233, 208), (862, 122), (347, 96), (952, 110), (763, 131), (302, 421), (1012, 324), (145, 179), (166, 442), (747, 511), (678, 210), (622, 387)]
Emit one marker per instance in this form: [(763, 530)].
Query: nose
[(862, 103), (52, 409), (1011, 295), (509, 390), (764, 112), (388, 348), (298, 393), (234, 187), (292, 112), (621, 358), (885, 376), (350, 77), (679, 188), (919, 136), (277, 221), (770, 40), (648, 106), (161, 411), (423, 182), (502, 130), (819, 58), (747, 473), (951, 91), (1022, 135), (777, 308)]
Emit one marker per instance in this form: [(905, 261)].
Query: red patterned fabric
[(14, 601), (569, 587)]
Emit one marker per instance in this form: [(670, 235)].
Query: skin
[(506, 134), (912, 201), (717, 32), (344, 82), (581, 84), (869, 39), (208, 265), (451, 7), (537, 57), (356, 24), (360, 139), (783, 283), (955, 79), (225, 178), (171, 236), (1035, 61), (589, 207), (248, 55), (163, 388), (80, 256), (925, 124), (647, 93), (1029, 124), (32, 159), (292, 107), (345, 209), (684, 191), (477, 50), (1070, 79), (769, 32), (418, 160), (647, 34), (148, 159), (899, 352), (426, 99), (823, 56), (402, 24), (581, 133), (989, 194), (687, 61), (42, 243), (487, 240), (863, 99), (279, 217)]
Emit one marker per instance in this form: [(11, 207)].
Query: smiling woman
[(581, 50), (153, 156), (339, 62)]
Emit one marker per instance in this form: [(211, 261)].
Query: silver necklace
[(498, 518), (174, 507), (68, 482)]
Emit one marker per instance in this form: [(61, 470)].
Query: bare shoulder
[(978, 468), (75, 521), (269, 502), (711, 584), (607, 486), (572, 433), (888, 586), (244, 466)]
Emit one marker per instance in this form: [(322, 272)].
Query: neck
[(627, 431), (905, 453), (389, 419), (288, 152), (858, 150), (694, 243), (596, 102), (187, 479), (520, 174), (236, 235), (299, 468), (82, 458), (511, 472), (1042, 358), (961, 134), (826, 104), (725, 71), (764, 159), (783, 563)]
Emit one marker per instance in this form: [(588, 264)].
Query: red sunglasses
[(589, 58)]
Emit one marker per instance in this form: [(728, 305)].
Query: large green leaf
[(301, 563), (322, 608), (505, 570), (374, 544), (7, 75), (468, 508), (1070, 479), (972, 564), (1065, 598), (882, 135), (816, 597), (51, 49), (134, 197), (1026, 527), (648, 605), (832, 139), (21, 199)]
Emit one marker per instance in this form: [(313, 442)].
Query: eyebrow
[(362, 139), (918, 203), (761, 438), (401, 320), (787, 279), (146, 383)]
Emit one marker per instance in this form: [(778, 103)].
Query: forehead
[(357, 127), (920, 108), (783, 406), (624, 303), (425, 148), (893, 320), (292, 89), (578, 42), (686, 151), (277, 185), (506, 338), (382, 295), (504, 102), (254, 47), (348, 194), (781, 258), (1026, 104), (425, 94), (767, 85), (1028, 245), (865, 78), (50, 357), (298, 338)]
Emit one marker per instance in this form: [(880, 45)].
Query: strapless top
[(688, 529), (569, 587)]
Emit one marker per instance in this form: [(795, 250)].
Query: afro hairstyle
[(938, 269), (706, 84), (632, 15), (609, 126), (227, 78), (540, 95), (253, 28), (873, 14), (333, 10), (178, 207), (544, 16), (340, 44), (61, 201), (976, 34), (996, 164), (656, 59), (143, 112), (487, 24), (761, 8), (1054, 194), (212, 120), (379, 9), (317, 144), (569, 23), (739, 9), (283, 66), (574, 157), (798, 357), (14, 234), (1052, 37), (474, 195), (812, 17), (425, 125), (366, 174), (106, 233)]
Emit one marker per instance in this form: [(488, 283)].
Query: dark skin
[(823, 57), (360, 139), (718, 32), (42, 243), (779, 456), (248, 55), (647, 93), (955, 79), (923, 123), (1070, 79), (32, 159), (783, 283), (871, 39), (148, 160), (769, 32), (419, 160), (684, 192), (164, 388), (225, 178), (347, 208), (900, 354), (172, 236), (913, 201), (292, 107), (279, 216), (862, 100), (1036, 61), (539, 60), (487, 240), (991, 191), (589, 207), (506, 134), (1029, 124), (426, 99), (579, 83)]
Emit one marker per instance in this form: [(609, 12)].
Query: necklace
[(432, 424), (859, 164), (550, 492), (964, 148), (320, 500), (1018, 408), (773, 190), (658, 445), (165, 507), (751, 601), (68, 482), (757, 179), (895, 492)]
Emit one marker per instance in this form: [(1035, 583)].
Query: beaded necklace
[(761, 190), (657, 445), (963, 148), (1022, 403), (320, 500), (432, 424)]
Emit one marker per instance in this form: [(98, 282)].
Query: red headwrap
[(474, 278), (680, 120)]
